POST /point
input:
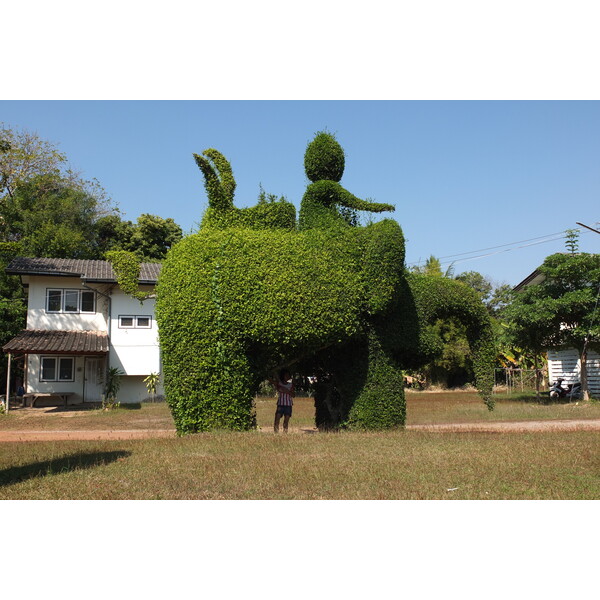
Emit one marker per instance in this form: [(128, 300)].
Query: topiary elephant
[(248, 293)]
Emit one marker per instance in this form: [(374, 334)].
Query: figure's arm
[(345, 198)]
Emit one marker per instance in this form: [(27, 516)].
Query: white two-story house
[(79, 323)]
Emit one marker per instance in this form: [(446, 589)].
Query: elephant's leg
[(380, 403), (346, 370), (327, 415), (215, 390)]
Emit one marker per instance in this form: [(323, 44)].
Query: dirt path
[(508, 427), (138, 434), (89, 435)]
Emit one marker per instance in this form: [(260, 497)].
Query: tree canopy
[(562, 311)]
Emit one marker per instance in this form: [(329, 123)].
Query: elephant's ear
[(219, 188)]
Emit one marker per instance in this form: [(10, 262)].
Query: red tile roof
[(33, 341)]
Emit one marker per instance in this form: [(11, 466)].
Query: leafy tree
[(562, 311), (13, 306), (49, 216), (149, 239), (500, 298), (477, 282), (112, 233), (153, 236), (23, 155)]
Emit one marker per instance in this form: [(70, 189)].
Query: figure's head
[(284, 375), (324, 158)]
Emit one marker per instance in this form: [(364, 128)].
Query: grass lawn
[(253, 465)]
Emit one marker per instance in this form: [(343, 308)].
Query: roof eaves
[(529, 280)]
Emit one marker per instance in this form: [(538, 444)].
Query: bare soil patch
[(138, 434)]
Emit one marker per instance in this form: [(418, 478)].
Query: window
[(143, 322), (53, 300), (135, 322), (126, 322), (70, 301), (48, 369), (54, 368), (88, 302)]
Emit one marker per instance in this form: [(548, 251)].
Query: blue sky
[(465, 176)]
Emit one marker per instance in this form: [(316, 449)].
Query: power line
[(560, 234), (552, 237)]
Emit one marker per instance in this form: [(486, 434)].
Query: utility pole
[(590, 228), (587, 337)]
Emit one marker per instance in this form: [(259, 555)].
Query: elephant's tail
[(218, 180)]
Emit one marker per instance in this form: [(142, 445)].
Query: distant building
[(565, 363)]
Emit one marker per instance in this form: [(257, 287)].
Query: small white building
[(566, 364), (79, 323)]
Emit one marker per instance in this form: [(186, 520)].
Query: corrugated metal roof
[(35, 341), (91, 270)]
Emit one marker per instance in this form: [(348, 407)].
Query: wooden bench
[(37, 395)]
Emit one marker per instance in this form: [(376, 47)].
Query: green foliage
[(149, 239), (24, 155), (285, 294), (477, 282), (572, 240), (440, 298), (324, 166), (152, 382), (220, 188), (127, 270), (111, 388), (50, 218), (244, 297), (13, 303), (324, 158), (561, 311)]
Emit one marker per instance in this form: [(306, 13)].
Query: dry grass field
[(423, 408), (401, 464)]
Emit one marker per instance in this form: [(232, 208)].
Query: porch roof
[(35, 341)]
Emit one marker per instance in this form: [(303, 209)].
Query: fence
[(519, 380)]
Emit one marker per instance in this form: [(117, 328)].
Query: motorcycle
[(572, 391)]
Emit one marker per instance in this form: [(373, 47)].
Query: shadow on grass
[(130, 406), (81, 460), (72, 407)]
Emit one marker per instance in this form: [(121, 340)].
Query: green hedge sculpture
[(252, 292)]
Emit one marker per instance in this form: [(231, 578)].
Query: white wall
[(134, 351), (35, 385), (566, 364), (38, 318), (133, 389)]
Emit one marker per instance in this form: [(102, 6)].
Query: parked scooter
[(572, 391)]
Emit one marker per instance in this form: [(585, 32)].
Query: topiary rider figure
[(324, 163)]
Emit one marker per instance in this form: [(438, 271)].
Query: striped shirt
[(285, 391)]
